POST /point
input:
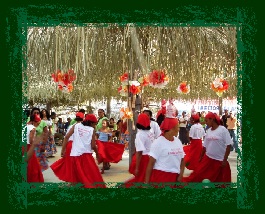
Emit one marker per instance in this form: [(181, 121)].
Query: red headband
[(195, 117), (168, 123), (91, 118), (80, 115), (211, 115), (143, 120)]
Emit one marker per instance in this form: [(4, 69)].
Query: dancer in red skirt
[(216, 149), (166, 162), (83, 166), (34, 173), (193, 150), (62, 167), (109, 152), (143, 140)]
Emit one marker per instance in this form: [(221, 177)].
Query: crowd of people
[(164, 146)]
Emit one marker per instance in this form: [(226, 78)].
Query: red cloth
[(62, 167), (34, 173), (85, 170), (141, 171), (143, 120), (193, 152), (168, 123), (162, 178), (109, 151), (210, 169)]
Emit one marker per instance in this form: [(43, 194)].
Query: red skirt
[(109, 151), (62, 167), (161, 178), (210, 169), (193, 152), (34, 173), (85, 170), (141, 171)]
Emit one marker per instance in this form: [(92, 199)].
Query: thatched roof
[(99, 55)]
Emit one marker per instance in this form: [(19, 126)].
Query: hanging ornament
[(158, 79), (219, 85), (125, 113), (124, 78), (123, 91), (64, 80), (183, 88)]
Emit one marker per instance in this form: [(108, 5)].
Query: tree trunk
[(108, 107)]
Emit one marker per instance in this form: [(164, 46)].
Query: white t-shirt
[(29, 129), (82, 137), (168, 154), (215, 142), (181, 119), (196, 131), (143, 141), (155, 129)]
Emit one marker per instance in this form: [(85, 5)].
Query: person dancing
[(193, 150), (143, 140), (166, 162), (213, 164), (83, 166), (62, 167), (34, 173)]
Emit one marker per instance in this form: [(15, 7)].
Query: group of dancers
[(159, 158)]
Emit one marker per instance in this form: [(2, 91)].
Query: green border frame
[(21, 196)]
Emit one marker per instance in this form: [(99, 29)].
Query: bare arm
[(138, 160), (45, 134), (227, 152), (182, 168), (94, 145), (149, 169), (66, 139), (202, 153)]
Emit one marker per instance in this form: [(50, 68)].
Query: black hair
[(149, 111), (47, 114), (33, 109), (103, 111), (53, 113), (87, 123), (139, 126), (160, 119), (118, 122), (82, 110), (78, 119), (32, 118)]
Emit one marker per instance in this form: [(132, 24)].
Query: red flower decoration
[(124, 77), (158, 78), (135, 89)]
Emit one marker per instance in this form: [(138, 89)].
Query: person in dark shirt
[(224, 118)]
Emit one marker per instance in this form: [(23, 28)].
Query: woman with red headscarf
[(193, 150), (216, 149), (34, 173), (83, 166), (166, 161), (143, 141)]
